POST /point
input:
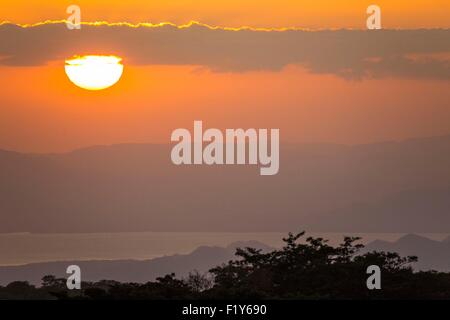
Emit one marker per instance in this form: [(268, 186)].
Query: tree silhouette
[(309, 269)]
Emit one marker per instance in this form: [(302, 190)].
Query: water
[(23, 248)]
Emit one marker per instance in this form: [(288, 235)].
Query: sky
[(257, 13), (315, 83)]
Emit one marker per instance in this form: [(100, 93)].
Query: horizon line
[(290, 143)]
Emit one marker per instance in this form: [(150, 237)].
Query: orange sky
[(42, 111), (259, 13)]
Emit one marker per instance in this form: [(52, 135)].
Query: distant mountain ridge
[(383, 187), (201, 259), (432, 254)]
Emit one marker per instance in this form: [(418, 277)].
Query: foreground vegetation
[(310, 269)]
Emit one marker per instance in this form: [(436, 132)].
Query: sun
[(94, 72)]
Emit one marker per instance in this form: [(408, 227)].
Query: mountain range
[(383, 187), (201, 259), (433, 255)]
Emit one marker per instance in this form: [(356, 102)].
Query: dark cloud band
[(351, 54)]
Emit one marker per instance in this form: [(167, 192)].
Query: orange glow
[(42, 111), (149, 102)]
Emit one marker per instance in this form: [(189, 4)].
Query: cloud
[(351, 54)]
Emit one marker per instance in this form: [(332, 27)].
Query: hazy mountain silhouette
[(421, 210), (201, 259), (433, 255), (393, 186)]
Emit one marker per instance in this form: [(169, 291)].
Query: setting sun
[(94, 72)]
